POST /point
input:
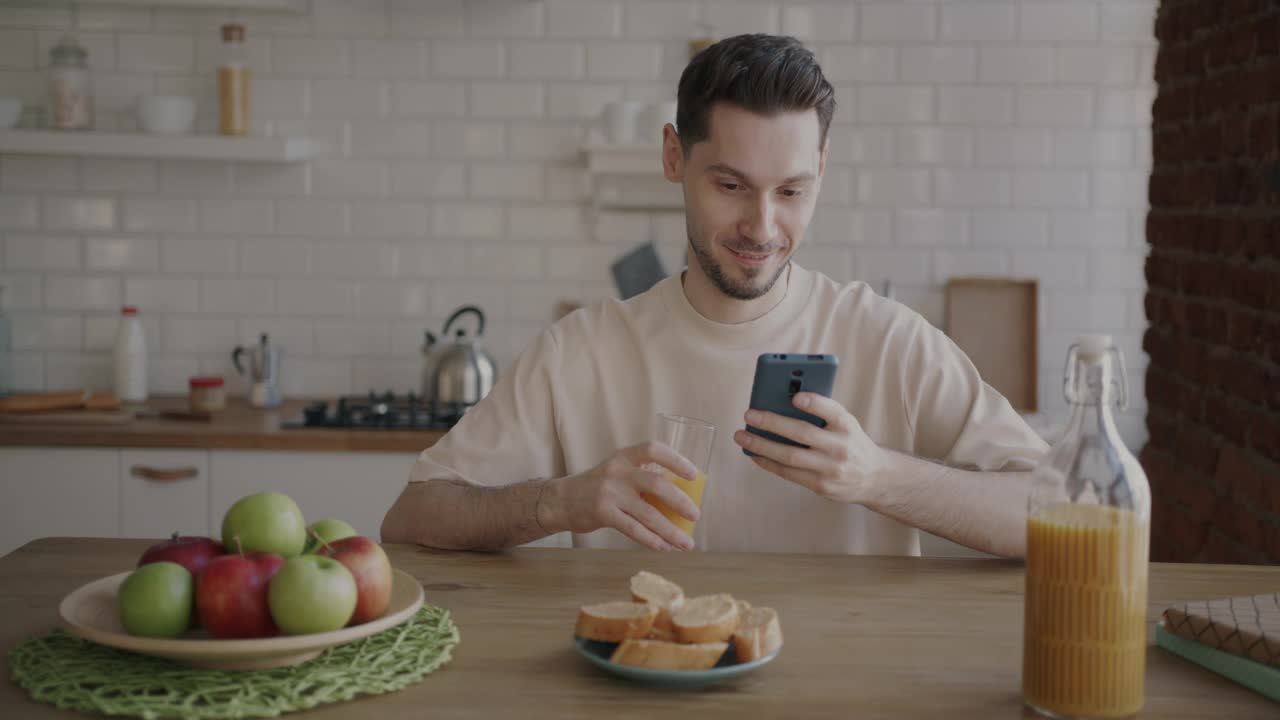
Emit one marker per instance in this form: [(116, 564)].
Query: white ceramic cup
[(10, 111), (619, 120), (652, 119), (167, 114)]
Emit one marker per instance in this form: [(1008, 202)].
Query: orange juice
[(1085, 644), (693, 488)]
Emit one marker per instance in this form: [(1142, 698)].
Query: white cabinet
[(356, 487), (164, 491), (47, 492), (144, 493)]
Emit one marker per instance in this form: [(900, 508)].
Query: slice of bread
[(706, 619), (666, 634), (647, 587), (659, 655), (615, 621), (760, 634)]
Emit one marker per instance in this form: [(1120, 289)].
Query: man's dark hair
[(766, 74)]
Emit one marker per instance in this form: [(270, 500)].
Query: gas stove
[(387, 411)]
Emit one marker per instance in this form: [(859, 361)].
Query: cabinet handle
[(163, 475)]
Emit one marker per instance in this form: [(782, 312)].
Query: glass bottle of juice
[(1088, 532)]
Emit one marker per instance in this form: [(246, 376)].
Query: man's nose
[(761, 220)]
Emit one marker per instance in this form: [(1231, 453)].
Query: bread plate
[(598, 653), (92, 612)]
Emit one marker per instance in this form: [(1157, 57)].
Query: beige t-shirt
[(593, 383)]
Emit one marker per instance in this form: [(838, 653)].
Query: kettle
[(459, 371), (264, 368)]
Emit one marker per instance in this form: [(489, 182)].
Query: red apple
[(369, 565), (192, 553), (231, 595)]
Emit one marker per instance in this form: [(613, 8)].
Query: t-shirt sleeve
[(957, 418), (509, 436)]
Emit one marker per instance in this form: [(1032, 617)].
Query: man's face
[(749, 192)]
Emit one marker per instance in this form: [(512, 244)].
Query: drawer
[(164, 491)]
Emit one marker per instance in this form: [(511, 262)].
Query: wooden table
[(865, 636)]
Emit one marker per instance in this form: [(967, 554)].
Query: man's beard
[(726, 284)]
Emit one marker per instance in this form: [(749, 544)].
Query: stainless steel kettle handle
[(459, 313), (235, 358)]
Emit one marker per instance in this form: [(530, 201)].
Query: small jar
[(233, 83), (70, 91), (207, 394)]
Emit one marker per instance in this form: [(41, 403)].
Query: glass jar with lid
[(70, 86), (233, 82), (207, 394)]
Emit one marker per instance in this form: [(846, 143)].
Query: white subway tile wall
[(976, 137)]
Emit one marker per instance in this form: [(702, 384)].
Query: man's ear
[(822, 158), (672, 154)]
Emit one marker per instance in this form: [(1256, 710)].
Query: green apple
[(311, 594), (156, 600), (267, 522), (329, 530)]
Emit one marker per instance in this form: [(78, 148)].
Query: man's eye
[(791, 192), (730, 186)]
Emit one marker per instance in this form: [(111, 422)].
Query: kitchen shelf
[(139, 145), (271, 5), (629, 177)]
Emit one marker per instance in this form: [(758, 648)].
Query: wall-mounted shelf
[(271, 5), (630, 177), (139, 145)]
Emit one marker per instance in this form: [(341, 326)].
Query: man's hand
[(609, 495), (841, 463)]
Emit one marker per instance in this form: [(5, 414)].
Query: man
[(914, 438)]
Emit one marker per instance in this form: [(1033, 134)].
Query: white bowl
[(167, 114), (10, 111)]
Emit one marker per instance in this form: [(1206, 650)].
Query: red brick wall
[(1213, 299)]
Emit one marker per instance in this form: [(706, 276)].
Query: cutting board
[(995, 321), (63, 400), (69, 417)]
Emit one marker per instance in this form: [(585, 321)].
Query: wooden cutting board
[(995, 321), (69, 417), (63, 400)]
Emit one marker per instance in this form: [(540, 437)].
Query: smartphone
[(779, 376)]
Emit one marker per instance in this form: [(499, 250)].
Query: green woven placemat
[(74, 674)]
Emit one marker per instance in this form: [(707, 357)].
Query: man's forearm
[(456, 515), (982, 510)]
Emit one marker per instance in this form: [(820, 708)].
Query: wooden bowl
[(91, 612)]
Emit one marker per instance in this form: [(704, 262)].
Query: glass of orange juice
[(691, 438)]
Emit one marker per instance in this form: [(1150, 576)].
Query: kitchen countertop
[(239, 426), (865, 636)]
